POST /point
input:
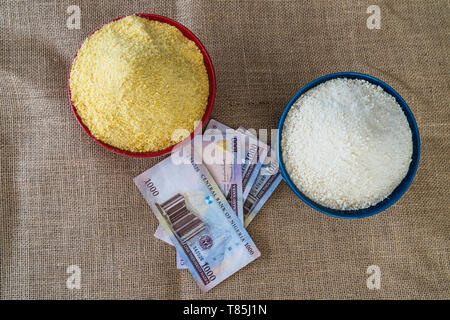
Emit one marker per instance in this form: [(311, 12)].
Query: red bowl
[(212, 92)]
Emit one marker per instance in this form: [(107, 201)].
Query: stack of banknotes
[(205, 195)]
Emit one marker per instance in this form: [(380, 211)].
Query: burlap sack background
[(66, 201)]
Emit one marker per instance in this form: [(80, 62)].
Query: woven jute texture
[(67, 201)]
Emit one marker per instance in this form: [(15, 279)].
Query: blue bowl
[(401, 188)]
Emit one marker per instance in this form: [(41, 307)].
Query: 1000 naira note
[(198, 220), (253, 153), (265, 184), (267, 180), (222, 157)]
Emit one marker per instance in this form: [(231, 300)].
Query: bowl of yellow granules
[(142, 85)]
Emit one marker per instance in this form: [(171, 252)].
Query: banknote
[(162, 235), (225, 167), (253, 154), (198, 220), (262, 189), (221, 154), (269, 177), (263, 185)]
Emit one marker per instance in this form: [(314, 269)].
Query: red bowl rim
[(212, 91)]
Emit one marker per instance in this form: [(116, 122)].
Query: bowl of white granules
[(348, 145)]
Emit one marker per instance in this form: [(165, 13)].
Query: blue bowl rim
[(398, 192)]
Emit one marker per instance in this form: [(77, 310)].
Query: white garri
[(346, 144)]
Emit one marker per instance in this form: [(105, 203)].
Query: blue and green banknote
[(263, 175), (197, 218)]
